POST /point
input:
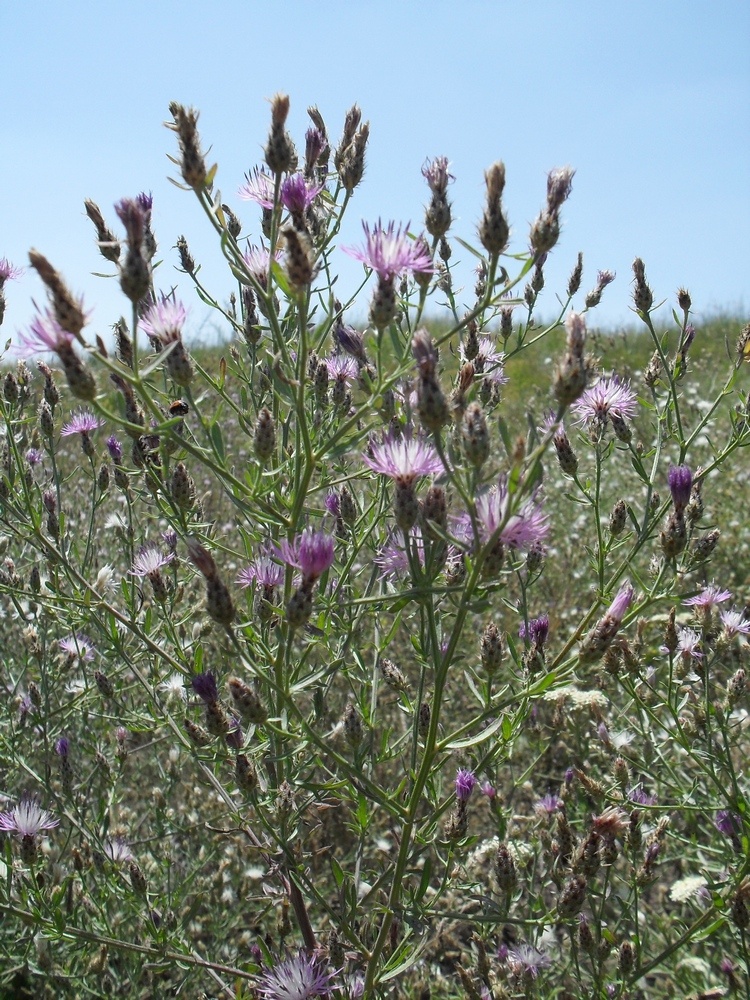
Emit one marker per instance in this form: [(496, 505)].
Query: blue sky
[(649, 101)]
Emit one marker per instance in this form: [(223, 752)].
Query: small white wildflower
[(687, 888)]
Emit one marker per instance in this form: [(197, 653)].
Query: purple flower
[(117, 850), (150, 560), (393, 559), (708, 598), (537, 630), (435, 172), (525, 959), (83, 422), (8, 272), (390, 251), (636, 794), (680, 480), (258, 261), (333, 504), (297, 193), (608, 394), (259, 188), (27, 819), (734, 623), (164, 321), (547, 805), (78, 645), (465, 782), (490, 361), (45, 334), (262, 570), (296, 978), (521, 530), (342, 368), (489, 790), (312, 552), (33, 456), (404, 459), (688, 644), (62, 747), (728, 823), (622, 601), (133, 214), (115, 449), (205, 687)]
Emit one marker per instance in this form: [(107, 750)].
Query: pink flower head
[(83, 422), (78, 645), (688, 644), (734, 623), (117, 850), (134, 214), (435, 172), (297, 193), (608, 394), (299, 978), (259, 188), (619, 606), (708, 598), (390, 251), (262, 570), (45, 334), (404, 459), (164, 321), (342, 368), (312, 553), (27, 819), (150, 560), (525, 959), (258, 261), (680, 480), (465, 782), (528, 526), (490, 361), (8, 272), (537, 630), (393, 559)]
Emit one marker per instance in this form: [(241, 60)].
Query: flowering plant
[(337, 668)]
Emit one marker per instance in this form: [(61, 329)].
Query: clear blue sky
[(648, 99)]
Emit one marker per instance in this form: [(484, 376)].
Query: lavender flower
[(150, 560), (45, 334), (734, 623), (312, 552), (164, 321), (205, 687), (708, 598), (680, 480), (78, 646), (296, 978), (27, 819), (263, 571), (465, 782), (297, 193), (526, 960), (83, 423), (404, 459), (609, 394), (259, 188), (390, 251), (8, 272)]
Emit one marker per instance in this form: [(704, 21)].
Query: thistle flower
[(548, 805), (536, 631), (259, 188), (734, 623), (297, 978), (389, 251), (27, 819), (205, 687), (78, 646), (609, 394), (45, 334), (297, 194), (258, 260), (465, 782), (404, 459), (263, 571), (82, 423), (117, 850), (342, 368), (393, 558), (312, 553), (8, 272), (708, 598), (528, 526), (164, 320), (526, 960), (680, 480), (150, 560), (601, 636)]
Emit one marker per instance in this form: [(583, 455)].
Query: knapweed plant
[(331, 667)]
